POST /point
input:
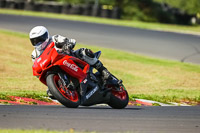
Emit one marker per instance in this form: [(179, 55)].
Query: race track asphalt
[(181, 47), (102, 118)]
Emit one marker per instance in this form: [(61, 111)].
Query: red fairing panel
[(41, 62), (68, 65), (50, 57)]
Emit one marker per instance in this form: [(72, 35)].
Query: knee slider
[(89, 53), (88, 56)]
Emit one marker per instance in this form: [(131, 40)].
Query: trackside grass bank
[(137, 24), (144, 77)]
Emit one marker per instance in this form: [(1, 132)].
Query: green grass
[(144, 77), (136, 24)]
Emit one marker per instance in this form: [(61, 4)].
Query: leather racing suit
[(83, 53)]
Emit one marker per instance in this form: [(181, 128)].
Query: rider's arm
[(62, 43), (35, 54), (33, 57), (59, 41)]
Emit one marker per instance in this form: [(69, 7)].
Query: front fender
[(51, 70)]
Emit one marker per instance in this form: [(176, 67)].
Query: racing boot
[(105, 73), (102, 70), (88, 56)]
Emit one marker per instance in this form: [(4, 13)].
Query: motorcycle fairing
[(91, 93), (51, 58)]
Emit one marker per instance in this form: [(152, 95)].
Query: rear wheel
[(119, 98), (69, 98)]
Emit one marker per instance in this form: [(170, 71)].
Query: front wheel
[(118, 99), (65, 96)]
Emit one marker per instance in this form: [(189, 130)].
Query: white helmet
[(39, 37)]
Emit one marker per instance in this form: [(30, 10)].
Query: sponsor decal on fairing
[(92, 92), (71, 66)]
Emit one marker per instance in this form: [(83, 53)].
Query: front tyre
[(66, 97), (118, 99)]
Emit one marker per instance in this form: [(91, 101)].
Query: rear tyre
[(66, 97), (118, 99)]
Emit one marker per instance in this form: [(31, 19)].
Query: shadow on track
[(104, 108)]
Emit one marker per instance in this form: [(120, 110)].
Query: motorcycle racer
[(69, 75), (40, 39)]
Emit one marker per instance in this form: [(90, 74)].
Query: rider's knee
[(88, 56)]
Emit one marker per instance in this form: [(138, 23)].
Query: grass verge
[(137, 24), (144, 77)]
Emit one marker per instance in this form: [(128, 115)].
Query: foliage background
[(149, 10), (189, 6)]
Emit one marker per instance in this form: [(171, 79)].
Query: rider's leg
[(88, 56), (102, 70)]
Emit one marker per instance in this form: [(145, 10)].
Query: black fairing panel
[(98, 97)]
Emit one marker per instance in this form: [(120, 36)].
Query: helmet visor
[(39, 40)]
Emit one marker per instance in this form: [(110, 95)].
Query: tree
[(188, 6)]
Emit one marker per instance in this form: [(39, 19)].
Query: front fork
[(63, 78), (65, 82)]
